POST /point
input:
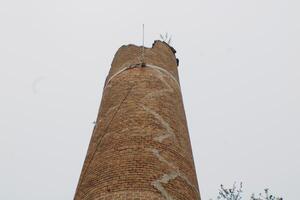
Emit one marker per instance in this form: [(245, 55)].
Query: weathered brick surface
[(140, 147)]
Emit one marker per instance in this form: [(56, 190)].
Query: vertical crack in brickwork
[(105, 132), (165, 178), (169, 131), (122, 163), (175, 172)]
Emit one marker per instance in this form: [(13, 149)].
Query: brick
[(140, 147)]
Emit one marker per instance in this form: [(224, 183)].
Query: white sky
[(239, 71)]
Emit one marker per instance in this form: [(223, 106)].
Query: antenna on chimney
[(143, 48)]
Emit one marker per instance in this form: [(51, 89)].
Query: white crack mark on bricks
[(161, 77), (175, 172), (169, 130), (165, 178), (156, 93), (162, 137)]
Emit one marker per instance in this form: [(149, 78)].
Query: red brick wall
[(140, 147)]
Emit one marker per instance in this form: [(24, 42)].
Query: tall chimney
[(140, 147)]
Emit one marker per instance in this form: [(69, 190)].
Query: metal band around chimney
[(140, 65)]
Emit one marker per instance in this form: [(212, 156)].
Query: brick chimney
[(140, 147)]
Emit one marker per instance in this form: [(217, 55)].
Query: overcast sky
[(239, 71)]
